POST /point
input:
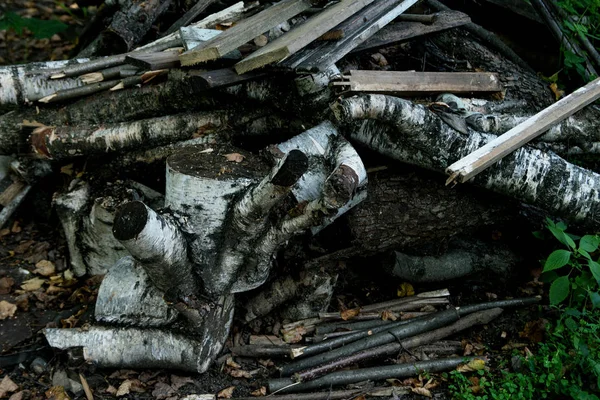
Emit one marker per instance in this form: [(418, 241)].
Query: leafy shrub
[(40, 28)]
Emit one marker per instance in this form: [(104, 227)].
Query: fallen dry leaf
[(44, 268), (17, 396), (558, 94), (32, 284), (226, 393), (6, 284), (240, 373), (387, 315), (266, 363), (232, 364), (380, 59), (405, 289), (111, 390), (474, 365), (7, 386), (7, 310), (124, 388), (262, 391), (293, 335), (178, 381), (57, 393), (234, 157), (349, 314), (162, 391), (422, 391)]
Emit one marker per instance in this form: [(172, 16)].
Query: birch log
[(19, 87), (140, 305), (421, 138), (151, 348)]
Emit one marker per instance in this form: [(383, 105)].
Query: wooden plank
[(479, 160), (299, 37), (422, 83), (245, 31), (404, 31), (319, 56), (155, 61), (189, 16), (219, 78)]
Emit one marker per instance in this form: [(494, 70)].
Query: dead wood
[(421, 129), (359, 375), (477, 318), (394, 332)]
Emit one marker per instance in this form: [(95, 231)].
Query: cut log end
[(295, 165), (130, 220)]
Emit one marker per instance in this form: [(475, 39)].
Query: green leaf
[(557, 259), (589, 243), (559, 290), (584, 253), (571, 324), (562, 237), (595, 269), (595, 298)]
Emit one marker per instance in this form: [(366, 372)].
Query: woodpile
[(290, 79)]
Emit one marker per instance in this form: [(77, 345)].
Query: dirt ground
[(34, 276)]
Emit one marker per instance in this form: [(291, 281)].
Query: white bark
[(141, 304), (421, 138), (70, 207), (203, 203), (102, 250), (158, 244), (19, 86), (147, 348)]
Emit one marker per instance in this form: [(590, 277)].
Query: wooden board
[(245, 31), (321, 55), (154, 61), (402, 31), (468, 167), (299, 37), (217, 78), (422, 83)]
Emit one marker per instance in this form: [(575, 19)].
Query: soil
[(32, 244)]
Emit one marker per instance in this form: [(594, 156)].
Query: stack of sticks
[(322, 362)]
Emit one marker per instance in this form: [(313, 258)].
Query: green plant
[(578, 267), (40, 28), (583, 20)]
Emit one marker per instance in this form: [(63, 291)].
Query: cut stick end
[(297, 352), (118, 86), (47, 99), (92, 77), (58, 76)]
